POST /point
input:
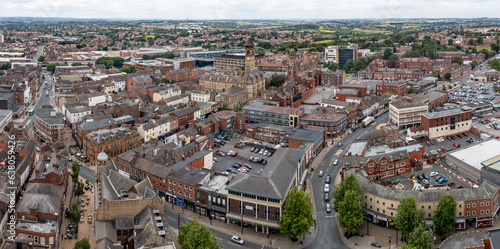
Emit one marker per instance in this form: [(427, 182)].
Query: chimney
[(350, 153), (45, 157), (37, 171), (157, 142), (144, 148)]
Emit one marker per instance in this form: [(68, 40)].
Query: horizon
[(251, 10)]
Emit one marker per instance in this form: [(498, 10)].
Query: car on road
[(327, 188), (328, 208), (339, 144), (327, 197), (442, 180), (433, 174), (321, 173), (336, 162), (237, 240), (328, 179)]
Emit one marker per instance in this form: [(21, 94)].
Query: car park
[(237, 240)]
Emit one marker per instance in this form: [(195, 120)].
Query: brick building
[(139, 81), (423, 64), (333, 78), (48, 124), (113, 142), (447, 123), (234, 97), (232, 121), (398, 88)]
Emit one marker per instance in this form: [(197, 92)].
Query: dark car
[(466, 134), (253, 149), (328, 179), (327, 197), (264, 162), (426, 176), (419, 178)]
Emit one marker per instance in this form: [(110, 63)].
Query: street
[(328, 231)]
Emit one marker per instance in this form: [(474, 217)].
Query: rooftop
[(443, 113), (476, 154)]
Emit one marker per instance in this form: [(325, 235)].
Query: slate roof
[(44, 197), (87, 126), (275, 180)]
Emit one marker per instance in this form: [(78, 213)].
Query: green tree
[(2, 72), (444, 216), (360, 64), (51, 67), (450, 42), (350, 215), (474, 50), (194, 235), (392, 60), (479, 40), (349, 64), (408, 216), (297, 213), (387, 53), (495, 47), (450, 87), (79, 189), (109, 64), (485, 52), (421, 238), (407, 246), (64, 64), (473, 64), (447, 76), (74, 214), (41, 58), (349, 183), (457, 59), (76, 171), (76, 64), (82, 244), (494, 63), (277, 80), (443, 89), (333, 66)]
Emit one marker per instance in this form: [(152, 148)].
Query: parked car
[(328, 208), (428, 143), (426, 176), (327, 188), (264, 162), (247, 165), (328, 179), (443, 149), (327, 197), (425, 181), (455, 145), (442, 180), (433, 174), (237, 240), (466, 134), (419, 178), (230, 170), (253, 149)]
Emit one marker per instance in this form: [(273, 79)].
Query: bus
[(31, 111)]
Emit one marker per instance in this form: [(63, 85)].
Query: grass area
[(150, 36), (479, 48), (323, 41), (371, 31)]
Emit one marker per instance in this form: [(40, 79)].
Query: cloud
[(256, 9)]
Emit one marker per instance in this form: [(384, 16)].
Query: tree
[(473, 64), (76, 64), (349, 64), (109, 64), (74, 214), (82, 244), (41, 58), (350, 215), (407, 246), (443, 89), (297, 213), (392, 60), (51, 67), (408, 216), (277, 80), (387, 53), (474, 50), (457, 59), (2, 72), (195, 235), (444, 216), (76, 171), (479, 40), (450, 87), (450, 42), (447, 76), (421, 238), (79, 189), (64, 64), (495, 47), (494, 63), (333, 66), (349, 183)]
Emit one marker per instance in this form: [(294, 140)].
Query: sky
[(251, 9)]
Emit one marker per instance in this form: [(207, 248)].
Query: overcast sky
[(251, 9)]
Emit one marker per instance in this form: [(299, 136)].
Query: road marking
[(236, 245), (329, 216), (219, 239), (171, 218)]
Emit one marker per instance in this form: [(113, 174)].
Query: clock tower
[(249, 54)]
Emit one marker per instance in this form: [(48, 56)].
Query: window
[(468, 205), (384, 162), (185, 194), (180, 193), (42, 240), (460, 205), (190, 196), (482, 204), (51, 240), (382, 168), (429, 215), (473, 212), (185, 187), (459, 213), (370, 165), (173, 190), (482, 211), (391, 166), (468, 213), (429, 207), (402, 163), (473, 204), (36, 239), (487, 203), (487, 211), (377, 202), (392, 205), (190, 188), (180, 184)]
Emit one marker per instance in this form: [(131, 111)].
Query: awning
[(459, 221)]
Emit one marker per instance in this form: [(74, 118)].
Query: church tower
[(249, 54)]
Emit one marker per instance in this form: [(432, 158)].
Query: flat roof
[(376, 150), (443, 113), (476, 154), (356, 148)]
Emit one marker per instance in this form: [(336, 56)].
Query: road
[(172, 220), (328, 232)]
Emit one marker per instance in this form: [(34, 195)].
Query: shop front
[(483, 222), (470, 223), (380, 221), (459, 224)]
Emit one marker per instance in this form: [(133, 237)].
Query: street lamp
[(389, 241)]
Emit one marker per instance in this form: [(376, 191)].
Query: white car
[(432, 174), (237, 240), (336, 162), (327, 188)]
